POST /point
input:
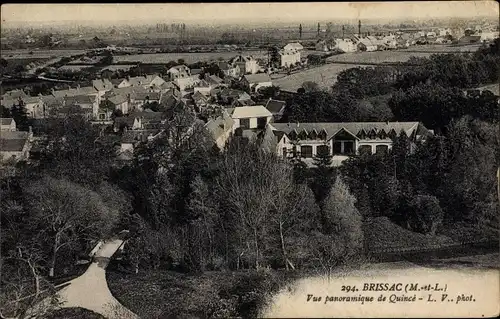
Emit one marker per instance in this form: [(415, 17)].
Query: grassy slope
[(74, 313), (153, 294)]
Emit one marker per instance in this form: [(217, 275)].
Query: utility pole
[(300, 31), (359, 28), (343, 31), (318, 29)]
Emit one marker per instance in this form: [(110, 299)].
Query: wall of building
[(253, 122), (289, 59)]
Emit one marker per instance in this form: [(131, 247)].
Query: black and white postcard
[(250, 160)]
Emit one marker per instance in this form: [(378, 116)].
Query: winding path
[(90, 290)]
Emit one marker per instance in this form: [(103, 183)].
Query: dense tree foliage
[(450, 177)]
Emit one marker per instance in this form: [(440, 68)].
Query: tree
[(19, 114), (267, 92), (243, 185), (318, 31), (107, 58), (426, 214), (3, 62), (341, 236), (19, 68), (25, 292), (310, 86), (323, 173), (76, 151), (274, 57), (67, 212), (4, 111)]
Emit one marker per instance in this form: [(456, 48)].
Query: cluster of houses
[(399, 39), (136, 107), (256, 123)]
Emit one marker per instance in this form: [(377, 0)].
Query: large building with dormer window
[(341, 140)]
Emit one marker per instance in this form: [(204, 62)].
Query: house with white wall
[(178, 72), (7, 125), (345, 45), (342, 140), (255, 81), (246, 65), (221, 128), (288, 58), (251, 117), (15, 145)]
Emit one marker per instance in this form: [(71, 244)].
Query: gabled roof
[(132, 90), (196, 71), (293, 46), (214, 79), (9, 102), (148, 115), (354, 128), (73, 109), (250, 112), (257, 78), (220, 125), (198, 97), (118, 99), (117, 81), (6, 120), (202, 84), (52, 101), (244, 96), (178, 68), (14, 135), (141, 80), (102, 84), (241, 58), (12, 145), (167, 85), (80, 99), (275, 106)]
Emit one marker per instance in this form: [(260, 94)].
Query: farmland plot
[(187, 57), (38, 54), (325, 76)]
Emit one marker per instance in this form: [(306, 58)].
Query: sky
[(34, 13)]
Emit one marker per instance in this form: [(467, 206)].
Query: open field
[(400, 55), (376, 57), (187, 57), (445, 48), (12, 64), (69, 67), (25, 53), (325, 76)]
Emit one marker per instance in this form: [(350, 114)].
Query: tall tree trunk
[(256, 240), (283, 250), (54, 255)]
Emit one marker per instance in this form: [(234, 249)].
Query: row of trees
[(449, 179)]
